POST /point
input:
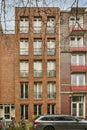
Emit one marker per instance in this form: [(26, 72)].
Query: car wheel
[(49, 128)]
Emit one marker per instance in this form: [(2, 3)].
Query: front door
[(78, 108)]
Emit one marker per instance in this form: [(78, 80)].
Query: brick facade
[(10, 59), (70, 92)]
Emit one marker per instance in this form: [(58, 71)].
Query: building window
[(51, 47), (24, 90), (37, 109), (23, 46), (51, 90), (78, 59), (51, 71), (24, 111), (78, 106), (37, 90), (78, 79), (24, 68), (76, 41), (76, 21), (7, 111), (38, 69), (51, 109), (24, 24), (37, 46), (37, 25), (50, 25)]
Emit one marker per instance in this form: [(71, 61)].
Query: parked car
[(59, 122)]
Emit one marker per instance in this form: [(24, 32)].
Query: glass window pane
[(74, 110)]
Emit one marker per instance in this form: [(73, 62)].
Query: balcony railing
[(78, 48), (37, 73), (51, 95), (51, 73), (50, 29), (23, 51), (75, 28), (37, 51), (37, 95), (37, 29), (24, 73), (51, 51), (24, 29), (79, 88), (78, 68)]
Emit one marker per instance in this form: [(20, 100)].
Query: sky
[(7, 8)]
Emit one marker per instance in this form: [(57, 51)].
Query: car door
[(74, 123), (60, 123), (68, 123)]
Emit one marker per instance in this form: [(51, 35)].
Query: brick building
[(30, 65), (73, 41)]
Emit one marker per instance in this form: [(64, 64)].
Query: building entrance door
[(78, 108)]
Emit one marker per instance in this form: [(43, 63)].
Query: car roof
[(55, 115)]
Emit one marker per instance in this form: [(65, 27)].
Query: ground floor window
[(51, 109), (37, 109), (7, 111), (78, 104), (24, 111)]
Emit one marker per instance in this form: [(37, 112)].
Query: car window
[(64, 118), (47, 119), (59, 118), (44, 119)]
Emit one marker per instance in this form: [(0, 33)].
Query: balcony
[(23, 73), (79, 88), (51, 51), (37, 51), (51, 95), (37, 29), (50, 29), (37, 73), (24, 29), (51, 73), (83, 48), (73, 28), (37, 95), (79, 68)]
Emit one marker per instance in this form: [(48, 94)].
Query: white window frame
[(80, 100), (50, 109), (51, 68), (37, 24), (23, 88), (78, 59), (76, 41), (51, 90), (37, 46), (37, 68), (37, 112), (76, 23), (24, 24), (78, 79), (24, 47), (37, 90), (50, 25), (23, 113), (51, 46), (24, 69), (9, 114)]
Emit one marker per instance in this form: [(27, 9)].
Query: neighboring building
[(30, 65), (43, 66), (73, 41)]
